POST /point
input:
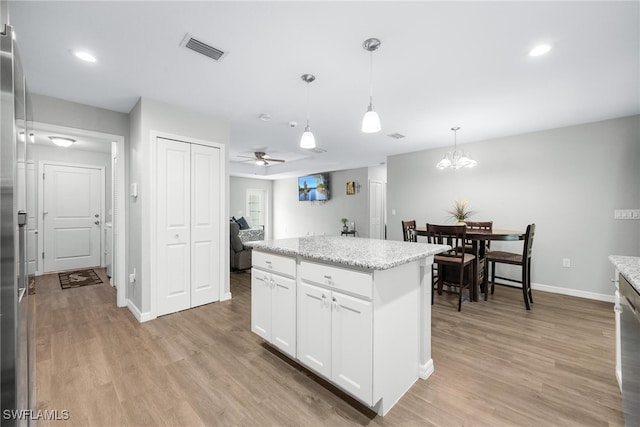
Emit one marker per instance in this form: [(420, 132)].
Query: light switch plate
[(626, 214)]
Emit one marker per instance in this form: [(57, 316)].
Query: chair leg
[(529, 279), (493, 277), (461, 287), (433, 285), (525, 290)]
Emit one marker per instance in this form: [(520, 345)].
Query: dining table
[(478, 239)]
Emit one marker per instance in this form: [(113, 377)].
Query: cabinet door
[(352, 340), (261, 303), (283, 314), (314, 328)]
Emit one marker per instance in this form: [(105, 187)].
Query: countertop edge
[(629, 267), (432, 250)]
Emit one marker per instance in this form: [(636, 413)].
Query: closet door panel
[(205, 225), (174, 226)]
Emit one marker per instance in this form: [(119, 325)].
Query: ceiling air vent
[(203, 48), (396, 135), (318, 150)]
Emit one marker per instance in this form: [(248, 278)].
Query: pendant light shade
[(307, 141), (456, 159), (371, 120)]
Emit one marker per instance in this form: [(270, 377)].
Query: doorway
[(88, 146), (72, 216)]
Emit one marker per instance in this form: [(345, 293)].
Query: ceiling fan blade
[(275, 160)]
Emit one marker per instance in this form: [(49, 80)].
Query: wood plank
[(495, 364)]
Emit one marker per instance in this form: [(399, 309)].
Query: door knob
[(97, 222)]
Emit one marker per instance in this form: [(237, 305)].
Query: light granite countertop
[(629, 266), (352, 251)]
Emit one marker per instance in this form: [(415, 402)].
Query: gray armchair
[(240, 255)]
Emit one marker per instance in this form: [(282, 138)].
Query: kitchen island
[(627, 315), (355, 311)]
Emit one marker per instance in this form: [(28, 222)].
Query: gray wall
[(293, 218), (568, 181), (149, 115), (65, 113), (238, 198)]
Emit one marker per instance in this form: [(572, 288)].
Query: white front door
[(72, 222)]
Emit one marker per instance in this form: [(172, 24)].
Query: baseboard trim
[(426, 370), (564, 291), (141, 317), (226, 296)]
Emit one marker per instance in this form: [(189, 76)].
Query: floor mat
[(74, 279)]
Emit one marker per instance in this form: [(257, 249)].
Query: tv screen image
[(313, 187)]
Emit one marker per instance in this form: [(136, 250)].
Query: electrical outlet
[(132, 276), (566, 262), (393, 211)]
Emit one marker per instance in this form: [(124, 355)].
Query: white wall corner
[(140, 316)]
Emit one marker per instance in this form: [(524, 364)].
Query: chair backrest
[(528, 241), (480, 225), (407, 233), (452, 235)]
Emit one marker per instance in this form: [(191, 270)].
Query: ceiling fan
[(262, 158)]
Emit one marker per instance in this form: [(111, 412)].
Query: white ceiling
[(440, 64)]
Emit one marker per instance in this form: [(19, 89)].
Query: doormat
[(74, 279)]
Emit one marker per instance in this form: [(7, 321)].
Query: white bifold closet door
[(188, 198)]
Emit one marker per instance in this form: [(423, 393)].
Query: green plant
[(344, 221), (460, 211)]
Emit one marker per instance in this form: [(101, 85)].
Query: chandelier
[(458, 158)]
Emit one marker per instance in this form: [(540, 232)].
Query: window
[(256, 207)]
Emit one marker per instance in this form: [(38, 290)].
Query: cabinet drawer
[(354, 282), (275, 263)]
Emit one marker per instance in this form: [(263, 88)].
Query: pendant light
[(458, 158), (307, 141), (371, 120)]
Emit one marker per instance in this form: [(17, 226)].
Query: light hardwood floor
[(496, 364)]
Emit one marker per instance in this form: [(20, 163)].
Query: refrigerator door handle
[(22, 218)]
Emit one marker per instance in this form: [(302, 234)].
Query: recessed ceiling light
[(62, 141), (85, 56), (540, 50)]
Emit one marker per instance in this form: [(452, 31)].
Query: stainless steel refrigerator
[(17, 308)]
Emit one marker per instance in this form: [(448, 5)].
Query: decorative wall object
[(351, 188)]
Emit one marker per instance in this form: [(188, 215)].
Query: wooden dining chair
[(523, 260), (481, 251), (407, 231), (453, 263)]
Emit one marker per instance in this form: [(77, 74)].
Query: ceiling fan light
[(371, 121), (61, 141), (260, 162), (307, 141)]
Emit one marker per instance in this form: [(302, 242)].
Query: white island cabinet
[(355, 311)]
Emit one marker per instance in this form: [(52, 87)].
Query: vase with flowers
[(460, 211), (344, 224)]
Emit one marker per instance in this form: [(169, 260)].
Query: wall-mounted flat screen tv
[(313, 187)]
